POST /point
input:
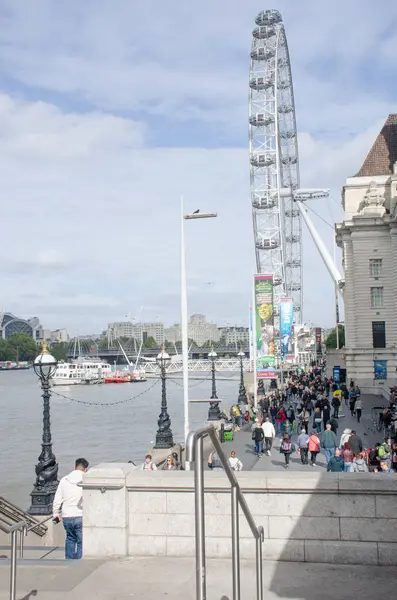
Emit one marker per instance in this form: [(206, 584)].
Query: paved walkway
[(174, 579), (244, 446)]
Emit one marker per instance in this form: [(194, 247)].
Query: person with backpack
[(149, 465), (258, 436), (287, 448)]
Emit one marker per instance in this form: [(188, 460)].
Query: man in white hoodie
[(270, 434), (69, 501)]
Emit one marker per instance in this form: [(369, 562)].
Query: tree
[(60, 350), (21, 347), (330, 342), (150, 343)]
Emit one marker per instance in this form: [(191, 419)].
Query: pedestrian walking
[(314, 448), (258, 436), (359, 408), (269, 433), (287, 448), (329, 443), (68, 502), (317, 420), (303, 442)]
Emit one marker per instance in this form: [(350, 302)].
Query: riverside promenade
[(244, 446)]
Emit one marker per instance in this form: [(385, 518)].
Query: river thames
[(120, 432)]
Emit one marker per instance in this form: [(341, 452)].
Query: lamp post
[(164, 437), (214, 414), (242, 392), (184, 315), (47, 468)]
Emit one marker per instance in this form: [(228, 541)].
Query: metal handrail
[(24, 532), (13, 529), (194, 453)]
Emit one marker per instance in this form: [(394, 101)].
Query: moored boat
[(82, 370)]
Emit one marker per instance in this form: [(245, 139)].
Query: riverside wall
[(327, 518)]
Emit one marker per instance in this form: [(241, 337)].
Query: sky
[(111, 110)]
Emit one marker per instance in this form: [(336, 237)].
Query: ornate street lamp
[(47, 468), (214, 413), (242, 392), (164, 437)]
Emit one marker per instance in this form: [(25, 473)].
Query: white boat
[(81, 370)]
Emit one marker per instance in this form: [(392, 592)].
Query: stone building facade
[(368, 238)]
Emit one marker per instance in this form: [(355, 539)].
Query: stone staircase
[(162, 578)]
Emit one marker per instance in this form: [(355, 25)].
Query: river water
[(120, 432)]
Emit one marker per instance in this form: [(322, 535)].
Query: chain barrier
[(104, 403), (193, 384)]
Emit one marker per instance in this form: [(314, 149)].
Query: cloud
[(107, 117)]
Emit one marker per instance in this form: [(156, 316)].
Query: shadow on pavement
[(29, 595)]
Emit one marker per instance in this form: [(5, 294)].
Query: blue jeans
[(258, 447), (329, 453), (74, 537), (348, 467)]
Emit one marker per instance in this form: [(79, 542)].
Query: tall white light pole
[(184, 315)]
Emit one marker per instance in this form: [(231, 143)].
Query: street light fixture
[(164, 437), (47, 468), (184, 315), (214, 414), (242, 392)]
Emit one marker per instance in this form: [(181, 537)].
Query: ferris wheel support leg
[(325, 255)]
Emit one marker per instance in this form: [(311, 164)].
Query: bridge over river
[(195, 353)]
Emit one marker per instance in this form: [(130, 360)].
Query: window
[(376, 297), (375, 267), (379, 334)]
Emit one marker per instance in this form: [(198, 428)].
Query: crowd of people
[(305, 415)]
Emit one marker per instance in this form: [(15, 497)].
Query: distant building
[(10, 324), (235, 335), (139, 331), (173, 334), (200, 331), (368, 238), (59, 336)]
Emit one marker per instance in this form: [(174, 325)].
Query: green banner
[(264, 326)]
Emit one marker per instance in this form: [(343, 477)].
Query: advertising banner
[(380, 369), (318, 340), (286, 318), (264, 326)]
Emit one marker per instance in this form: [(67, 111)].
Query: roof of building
[(383, 154)]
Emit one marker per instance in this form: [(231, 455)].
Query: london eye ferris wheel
[(273, 147)]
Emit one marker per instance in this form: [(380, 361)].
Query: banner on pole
[(264, 326), (286, 319)]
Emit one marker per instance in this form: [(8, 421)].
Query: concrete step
[(174, 579), (35, 552)]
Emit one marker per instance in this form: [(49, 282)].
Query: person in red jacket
[(281, 417)]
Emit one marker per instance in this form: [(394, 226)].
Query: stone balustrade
[(314, 517)]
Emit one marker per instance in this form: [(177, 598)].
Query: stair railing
[(194, 453), (13, 530)]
